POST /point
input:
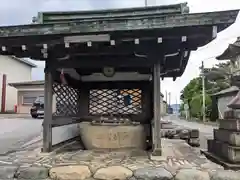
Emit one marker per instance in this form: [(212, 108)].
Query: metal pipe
[(3, 101)]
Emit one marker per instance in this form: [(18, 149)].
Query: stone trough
[(112, 136)]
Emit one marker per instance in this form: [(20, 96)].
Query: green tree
[(217, 79)]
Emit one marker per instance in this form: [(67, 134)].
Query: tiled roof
[(228, 90), (232, 51)]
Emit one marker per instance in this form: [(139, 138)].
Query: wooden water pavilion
[(94, 57)]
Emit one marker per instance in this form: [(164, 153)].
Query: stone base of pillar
[(157, 152)]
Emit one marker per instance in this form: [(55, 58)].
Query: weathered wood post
[(47, 123), (157, 150)]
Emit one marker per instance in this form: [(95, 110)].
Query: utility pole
[(169, 99), (203, 92), (166, 97), (176, 106), (146, 3)]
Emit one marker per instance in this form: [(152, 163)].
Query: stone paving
[(179, 161), (71, 162)]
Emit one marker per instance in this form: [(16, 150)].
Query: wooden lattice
[(115, 101), (67, 100)]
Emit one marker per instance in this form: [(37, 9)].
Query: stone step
[(230, 124), (224, 150), (229, 137)]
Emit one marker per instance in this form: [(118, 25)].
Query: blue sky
[(22, 11)]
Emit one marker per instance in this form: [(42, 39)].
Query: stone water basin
[(112, 136)]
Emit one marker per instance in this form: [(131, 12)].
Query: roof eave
[(30, 83), (24, 61), (232, 51)]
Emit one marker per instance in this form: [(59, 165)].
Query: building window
[(28, 99)]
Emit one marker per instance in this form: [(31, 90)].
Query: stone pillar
[(48, 105), (157, 150)]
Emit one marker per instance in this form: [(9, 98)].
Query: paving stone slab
[(192, 174), (150, 173), (32, 173), (70, 173), (113, 173), (8, 172), (224, 175)]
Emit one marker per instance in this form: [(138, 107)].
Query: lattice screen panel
[(115, 101), (67, 100)]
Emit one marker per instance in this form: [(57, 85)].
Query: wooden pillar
[(47, 123), (157, 150)]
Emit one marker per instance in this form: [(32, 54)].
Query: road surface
[(206, 131), (14, 132)]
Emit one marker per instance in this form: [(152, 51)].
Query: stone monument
[(225, 147)]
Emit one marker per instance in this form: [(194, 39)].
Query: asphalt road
[(15, 132), (206, 131)]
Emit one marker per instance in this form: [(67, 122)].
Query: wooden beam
[(116, 84), (63, 121), (98, 62)]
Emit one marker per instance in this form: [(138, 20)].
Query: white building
[(16, 70)]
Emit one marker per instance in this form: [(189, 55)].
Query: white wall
[(64, 133), (16, 71)]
